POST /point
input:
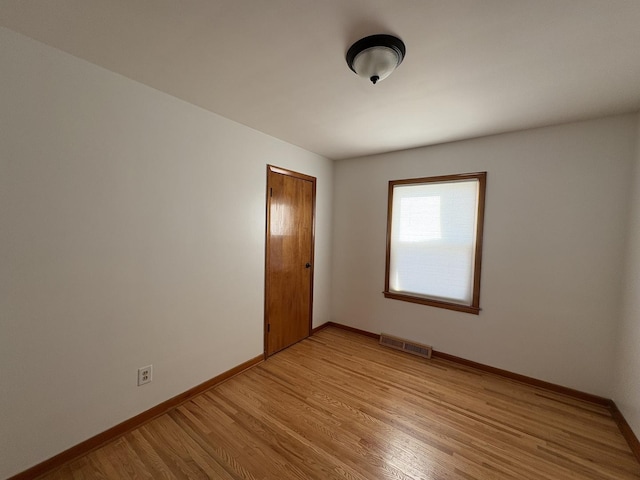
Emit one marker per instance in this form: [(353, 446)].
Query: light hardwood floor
[(338, 405)]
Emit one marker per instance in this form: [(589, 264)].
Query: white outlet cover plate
[(145, 374)]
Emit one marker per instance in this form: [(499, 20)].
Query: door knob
[(308, 265)]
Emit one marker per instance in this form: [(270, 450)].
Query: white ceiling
[(473, 67)]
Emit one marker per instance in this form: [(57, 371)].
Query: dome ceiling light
[(376, 56)]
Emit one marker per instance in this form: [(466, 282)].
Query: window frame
[(474, 307)]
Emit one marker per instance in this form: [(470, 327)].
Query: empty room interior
[(210, 212)]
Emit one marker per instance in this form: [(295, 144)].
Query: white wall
[(131, 233), (626, 391), (553, 249)]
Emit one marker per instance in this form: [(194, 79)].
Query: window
[(434, 241)]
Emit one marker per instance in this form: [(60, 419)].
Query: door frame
[(302, 176)]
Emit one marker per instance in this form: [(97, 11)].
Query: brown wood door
[(289, 258)]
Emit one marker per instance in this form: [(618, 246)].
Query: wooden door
[(289, 258)]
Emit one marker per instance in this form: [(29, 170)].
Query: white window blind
[(433, 235)]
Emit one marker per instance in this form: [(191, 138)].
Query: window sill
[(432, 303)]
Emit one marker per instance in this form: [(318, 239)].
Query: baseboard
[(321, 327), (625, 428), (348, 329), (114, 432), (605, 402)]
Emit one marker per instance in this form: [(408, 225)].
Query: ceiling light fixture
[(376, 56)]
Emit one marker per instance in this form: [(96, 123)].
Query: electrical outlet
[(145, 374)]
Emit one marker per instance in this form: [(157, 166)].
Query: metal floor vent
[(405, 345)]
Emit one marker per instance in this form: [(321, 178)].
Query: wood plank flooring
[(339, 406)]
